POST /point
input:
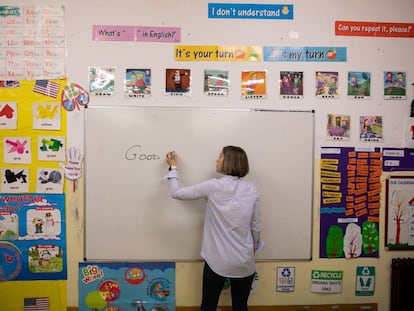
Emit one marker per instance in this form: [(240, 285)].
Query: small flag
[(9, 83), (36, 304), (47, 87)]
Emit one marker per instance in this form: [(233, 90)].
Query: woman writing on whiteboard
[(232, 226)]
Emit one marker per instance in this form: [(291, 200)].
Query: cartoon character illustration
[(49, 223), (160, 290), (400, 81), (371, 127), (332, 88), (38, 222), (359, 84), (177, 77), (297, 82), (394, 83), (133, 78), (135, 275), (320, 84), (286, 84), (389, 79), (367, 130), (220, 81), (44, 258), (252, 83), (109, 291), (354, 83), (140, 83)]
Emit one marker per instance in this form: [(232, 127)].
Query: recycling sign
[(285, 281), (365, 281)]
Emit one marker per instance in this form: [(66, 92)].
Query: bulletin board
[(128, 211)]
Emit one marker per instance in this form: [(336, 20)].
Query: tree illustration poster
[(32, 237), (400, 213), (350, 202)]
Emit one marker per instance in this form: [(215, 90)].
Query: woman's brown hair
[(235, 161)]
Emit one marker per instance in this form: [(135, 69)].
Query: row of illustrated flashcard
[(253, 83)]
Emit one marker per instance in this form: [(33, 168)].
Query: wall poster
[(350, 202), (32, 237), (400, 213), (126, 286)]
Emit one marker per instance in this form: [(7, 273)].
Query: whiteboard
[(129, 214)]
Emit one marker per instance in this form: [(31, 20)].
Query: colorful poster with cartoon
[(102, 81), (178, 82), (126, 286), (216, 82), (359, 85), (395, 85), (350, 183), (74, 96), (138, 83), (33, 127), (327, 84), (32, 237), (370, 129), (253, 84), (400, 213), (338, 127), (291, 84)]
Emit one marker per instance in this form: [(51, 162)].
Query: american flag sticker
[(36, 304), (46, 87)]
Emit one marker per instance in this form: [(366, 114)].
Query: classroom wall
[(313, 25)]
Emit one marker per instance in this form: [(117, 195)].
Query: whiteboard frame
[(308, 255)]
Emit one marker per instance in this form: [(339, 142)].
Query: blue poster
[(32, 237), (250, 11), (126, 286), (304, 54)]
